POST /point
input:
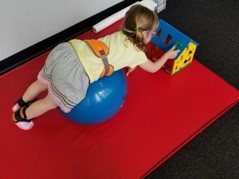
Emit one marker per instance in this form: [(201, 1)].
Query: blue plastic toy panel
[(167, 36)]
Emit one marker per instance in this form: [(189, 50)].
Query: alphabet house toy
[(167, 36)]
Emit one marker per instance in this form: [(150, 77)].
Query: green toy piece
[(178, 44)]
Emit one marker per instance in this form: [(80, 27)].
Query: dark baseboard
[(65, 35)]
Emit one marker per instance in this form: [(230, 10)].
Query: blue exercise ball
[(103, 100)]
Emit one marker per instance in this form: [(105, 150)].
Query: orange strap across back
[(101, 50)]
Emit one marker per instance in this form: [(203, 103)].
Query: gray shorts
[(65, 76)]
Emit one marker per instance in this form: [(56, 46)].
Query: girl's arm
[(129, 70), (153, 67)]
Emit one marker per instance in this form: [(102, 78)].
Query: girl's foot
[(20, 119)]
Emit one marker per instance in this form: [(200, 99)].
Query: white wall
[(26, 22)]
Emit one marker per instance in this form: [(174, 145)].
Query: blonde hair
[(138, 19)]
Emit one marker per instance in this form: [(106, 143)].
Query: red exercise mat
[(160, 115)]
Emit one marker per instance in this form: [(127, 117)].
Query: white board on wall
[(27, 22)]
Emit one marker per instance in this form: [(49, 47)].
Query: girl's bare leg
[(40, 107), (31, 93), (36, 109), (34, 90)]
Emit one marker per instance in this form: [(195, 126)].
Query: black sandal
[(20, 115), (21, 103), (20, 119)]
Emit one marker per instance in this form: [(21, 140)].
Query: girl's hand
[(172, 52), (129, 70)]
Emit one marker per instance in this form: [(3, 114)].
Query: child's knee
[(41, 85), (51, 104)]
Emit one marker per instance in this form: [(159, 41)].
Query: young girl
[(71, 66)]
